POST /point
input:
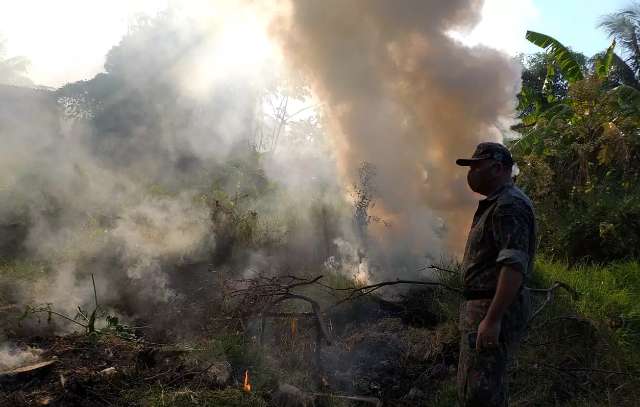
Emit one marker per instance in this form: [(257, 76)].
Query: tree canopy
[(579, 148)]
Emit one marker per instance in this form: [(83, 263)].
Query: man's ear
[(497, 168), (505, 169)]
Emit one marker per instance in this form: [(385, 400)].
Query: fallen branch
[(288, 315), (438, 268), (272, 286), (370, 400), (315, 307), (357, 292), (50, 312), (550, 295), (281, 288)]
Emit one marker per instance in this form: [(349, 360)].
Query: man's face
[(482, 175)]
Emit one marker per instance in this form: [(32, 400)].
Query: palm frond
[(624, 72), (624, 27)]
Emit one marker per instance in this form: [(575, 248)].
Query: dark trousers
[(482, 375)]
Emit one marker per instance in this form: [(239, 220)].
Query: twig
[(434, 267), (157, 375), (35, 311), (274, 286), (550, 295), (371, 400), (289, 315), (556, 284), (91, 324), (95, 295), (314, 306), (357, 292), (81, 313)]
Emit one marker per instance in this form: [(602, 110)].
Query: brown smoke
[(402, 95)]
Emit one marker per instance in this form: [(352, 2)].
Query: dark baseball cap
[(488, 150)]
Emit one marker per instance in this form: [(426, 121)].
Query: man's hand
[(488, 334), (509, 283)]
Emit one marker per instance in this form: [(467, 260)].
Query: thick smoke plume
[(168, 173), (160, 175), (404, 97)]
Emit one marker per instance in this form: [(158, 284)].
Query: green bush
[(579, 164)]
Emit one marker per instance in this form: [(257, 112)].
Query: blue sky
[(56, 60), (573, 22)]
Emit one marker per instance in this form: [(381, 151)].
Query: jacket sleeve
[(513, 232)]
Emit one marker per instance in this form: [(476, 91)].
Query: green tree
[(579, 160), (624, 27), (546, 77)]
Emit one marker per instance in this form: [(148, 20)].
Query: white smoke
[(12, 357)]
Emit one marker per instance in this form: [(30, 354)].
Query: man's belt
[(469, 294)]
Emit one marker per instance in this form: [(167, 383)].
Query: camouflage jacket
[(503, 233)]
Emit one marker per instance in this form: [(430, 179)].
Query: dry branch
[(550, 292), (438, 268), (359, 399), (357, 292), (322, 327)]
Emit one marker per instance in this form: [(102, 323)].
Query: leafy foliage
[(562, 55), (605, 62), (624, 27), (580, 165), (579, 149)]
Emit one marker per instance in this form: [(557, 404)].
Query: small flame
[(246, 386)]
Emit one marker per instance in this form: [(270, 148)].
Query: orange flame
[(246, 386), (294, 327)]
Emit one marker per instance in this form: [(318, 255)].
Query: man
[(497, 262)]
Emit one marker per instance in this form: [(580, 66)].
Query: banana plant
[(562, 56), (605, 62)]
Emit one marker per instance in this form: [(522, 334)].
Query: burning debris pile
[(371, 358), (87, 371), (286, 341)]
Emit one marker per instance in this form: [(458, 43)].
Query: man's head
[(490, 167)]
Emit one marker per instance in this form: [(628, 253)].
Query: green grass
[(446, 395), (22, 270), (608, 294), (575, 347), (158, 396), (18, 274)]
